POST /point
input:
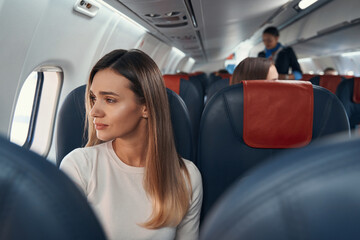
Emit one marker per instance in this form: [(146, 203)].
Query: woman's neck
[(132, 151)]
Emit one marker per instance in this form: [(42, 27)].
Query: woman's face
[(115, 110), (272, 74), (270, 41)]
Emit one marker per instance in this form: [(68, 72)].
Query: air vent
[(165, 19), (184, 38), (171, 25), (171, 14), (152, 15)]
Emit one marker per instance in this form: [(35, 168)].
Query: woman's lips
[(100, 126)]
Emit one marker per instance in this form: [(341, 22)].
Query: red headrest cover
[(278, 114), (225, 75), (172, 82), (330, 82), (183, 76), (307, 77), (356, 93)]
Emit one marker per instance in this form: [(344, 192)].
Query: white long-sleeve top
[(116, 193)]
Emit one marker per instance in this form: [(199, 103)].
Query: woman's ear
[(144, 112)]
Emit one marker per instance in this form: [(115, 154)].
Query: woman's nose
[(96, 110)]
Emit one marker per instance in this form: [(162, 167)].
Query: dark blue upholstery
[(199, 86), (202, 78), (310, 194), (216, 86), (181, 123), (315, 80), (37, 201), (213, 77), (70, 124), (222, 154), (71, 120), (345, 94), (194, 103)]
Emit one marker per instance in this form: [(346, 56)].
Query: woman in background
[(254, 69)]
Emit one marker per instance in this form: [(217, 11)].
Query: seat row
[(241, 126)]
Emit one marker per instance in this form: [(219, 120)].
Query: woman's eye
[(110, 100), (92, 99)]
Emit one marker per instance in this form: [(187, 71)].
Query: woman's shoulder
[(84, 154), (194, 173)]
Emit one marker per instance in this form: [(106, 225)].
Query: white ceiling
[(222, 24)]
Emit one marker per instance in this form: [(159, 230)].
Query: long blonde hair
[(164, 179)]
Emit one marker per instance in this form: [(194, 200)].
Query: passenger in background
[(330, 71), (222, 71), (254, 69), (130, 170), (283, 57)]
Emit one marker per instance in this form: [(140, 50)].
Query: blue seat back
[(345, 93), (216, 86), (71, 122), (310, 193), (223, 155), (191, 96), (37, 200)]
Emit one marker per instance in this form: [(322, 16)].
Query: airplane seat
[(349, 94), (213, 77), (199, 76), (197, 82), (308, 194), (188, 93), (70, 132), (40, 202), (330, 82), (71, 123), (216, 86), (244, 124), (307, 77)]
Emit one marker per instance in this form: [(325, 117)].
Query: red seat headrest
[(277, 114), (356, 93), (172, 82), (330, 82), (307, 77)]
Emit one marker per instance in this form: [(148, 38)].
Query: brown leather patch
[(278, 114)]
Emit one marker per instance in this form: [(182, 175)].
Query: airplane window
[(24, 107), (34, 116)]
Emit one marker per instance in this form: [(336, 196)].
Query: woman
[(254, 69), (283, 57), (129, 170)]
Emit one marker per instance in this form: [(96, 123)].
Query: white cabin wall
[(156, 49), (173, 60), (50, 33), (209, 66), (188, 65)]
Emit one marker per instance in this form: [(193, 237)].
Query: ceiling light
[(350, 54), (306, 3)]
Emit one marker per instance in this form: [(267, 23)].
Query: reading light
[(306, 3)]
